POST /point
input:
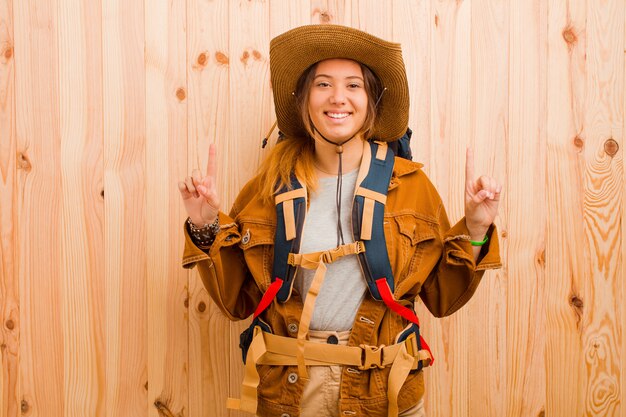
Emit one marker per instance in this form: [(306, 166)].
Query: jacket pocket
[(257, 243), (408, 237)]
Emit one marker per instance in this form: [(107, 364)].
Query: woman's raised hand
[(482, 197), (199, 192)]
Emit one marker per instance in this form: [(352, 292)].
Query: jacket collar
[(401, 168)]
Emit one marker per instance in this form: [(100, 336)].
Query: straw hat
[(292, 52)]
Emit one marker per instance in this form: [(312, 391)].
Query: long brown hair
[(297, 154)]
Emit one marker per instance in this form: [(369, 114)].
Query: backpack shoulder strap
[(368, 213), (290, 212)]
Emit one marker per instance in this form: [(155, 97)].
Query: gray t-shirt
[(344, 286)]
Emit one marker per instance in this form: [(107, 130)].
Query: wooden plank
[(447, 385), (166, 163), (412, 28), (603, 176), (208, 75), (82, 265), (41, 391), (9, 294), (489, 118), (622, 412), (125, 208), (337, 12), (250, 117), (566, 310), (524, 199)]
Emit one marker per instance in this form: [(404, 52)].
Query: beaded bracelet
[(203, 236)]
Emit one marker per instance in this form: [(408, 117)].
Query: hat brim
[(292, 52)]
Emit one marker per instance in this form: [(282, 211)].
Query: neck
[(327, 158)]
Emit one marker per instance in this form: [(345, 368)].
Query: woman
[(330, 244)]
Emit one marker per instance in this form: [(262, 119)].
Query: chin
[(338, 136)]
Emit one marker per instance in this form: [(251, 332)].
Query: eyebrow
[(329, 76)]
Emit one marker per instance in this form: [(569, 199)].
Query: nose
[(338, 96)]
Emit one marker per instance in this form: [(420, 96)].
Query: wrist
[(204, 235), (477, 233), (201, 223)]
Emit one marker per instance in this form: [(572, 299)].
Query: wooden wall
[(106, 104)]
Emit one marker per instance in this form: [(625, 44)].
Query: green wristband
[(479, 243)]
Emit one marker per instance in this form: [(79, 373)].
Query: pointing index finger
[(469, 165)]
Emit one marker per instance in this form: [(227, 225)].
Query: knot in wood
[(202, 58), (23, 162), (24, 407), (569, 36), (181, 94), (221, 58), (10, 324), (244, 57), (8, 53), (578, 142), (202, 306), (576, 302), (611, 147)]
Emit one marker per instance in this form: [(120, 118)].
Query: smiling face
[(338, 101)]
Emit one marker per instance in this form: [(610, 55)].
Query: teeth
[(338, 115)]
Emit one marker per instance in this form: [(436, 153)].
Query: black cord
[(338, 199)]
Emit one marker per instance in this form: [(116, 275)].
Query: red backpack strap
[(268, 297), (387, 296)]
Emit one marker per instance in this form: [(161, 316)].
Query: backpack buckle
[(411, 345), (371, 357)]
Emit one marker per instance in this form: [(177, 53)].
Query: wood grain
[(526, 228), (41, 380), (81, 222), (412, 29), (488, 135), (208, 77), (106, 105), (166, 163), (124, 193), (566, 306), (450, 58), (250, 117), (603, 176), (9, 294)]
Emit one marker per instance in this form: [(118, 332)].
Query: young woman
[(333, 240)]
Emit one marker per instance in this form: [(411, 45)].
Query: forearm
[(477, 234)]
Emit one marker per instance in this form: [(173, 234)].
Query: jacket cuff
[(193, 253), (458, 249)]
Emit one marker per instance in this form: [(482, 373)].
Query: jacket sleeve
[(223, 270), (456, 276)]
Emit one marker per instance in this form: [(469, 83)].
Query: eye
[(354, 85), (322, 84)]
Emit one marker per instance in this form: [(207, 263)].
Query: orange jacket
[(428, 258)]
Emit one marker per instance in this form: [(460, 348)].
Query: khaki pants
[(321, 393)]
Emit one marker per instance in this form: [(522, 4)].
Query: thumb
[(480, 196)]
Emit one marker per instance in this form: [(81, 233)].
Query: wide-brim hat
[(292, 52)]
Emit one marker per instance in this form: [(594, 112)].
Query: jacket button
[(332, 340), (292, 327), (246, 238), (292, 378)]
